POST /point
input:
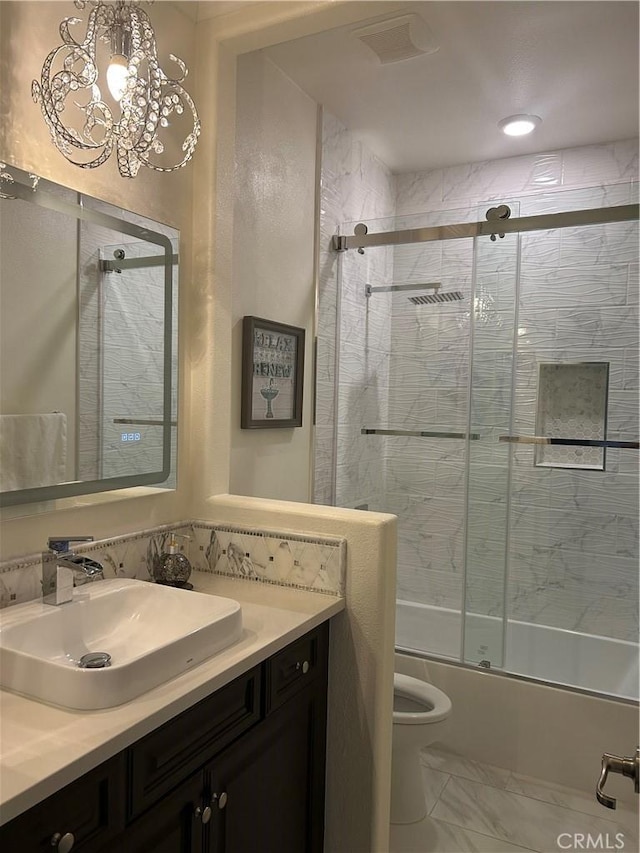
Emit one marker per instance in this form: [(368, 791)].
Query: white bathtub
[(562, 657)]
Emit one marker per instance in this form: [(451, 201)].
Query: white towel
[(33, 450)]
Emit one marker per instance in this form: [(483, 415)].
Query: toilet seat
[(437, 705)]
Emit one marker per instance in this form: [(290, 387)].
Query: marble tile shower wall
[(574, 543), (587, 167), (363, 379), (574, 534), (303, 562), (355, 185), (428, 390)]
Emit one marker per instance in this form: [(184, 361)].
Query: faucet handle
[(629, 767), (61, 543)]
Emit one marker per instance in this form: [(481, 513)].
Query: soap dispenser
[(171, 567)]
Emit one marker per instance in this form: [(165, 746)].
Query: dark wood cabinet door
[(172, 826), (171, 753), (272, 783), (89, 813)]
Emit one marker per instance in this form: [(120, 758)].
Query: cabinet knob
[(203, 815), (220, 800), (63, 843), (304, 666)]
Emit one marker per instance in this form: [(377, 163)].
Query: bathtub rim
[(552, 685)]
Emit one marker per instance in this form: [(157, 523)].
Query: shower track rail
[(570, 442), (473, 436), (543, 222)]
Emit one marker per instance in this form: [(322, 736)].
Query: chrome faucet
[(62, 569)]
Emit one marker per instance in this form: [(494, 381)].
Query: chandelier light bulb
[(83, 126), (519, 125), (117, 76)]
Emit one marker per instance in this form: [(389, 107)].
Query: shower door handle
[(615, 764)]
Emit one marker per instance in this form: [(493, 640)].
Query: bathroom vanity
[(240, 769)]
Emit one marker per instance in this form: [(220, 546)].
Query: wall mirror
[(88, 354)]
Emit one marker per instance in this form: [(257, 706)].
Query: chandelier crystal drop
[(145, 99)]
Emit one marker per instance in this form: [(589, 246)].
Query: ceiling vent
[(397, 39)]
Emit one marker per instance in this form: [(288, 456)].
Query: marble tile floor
[(476, 808)]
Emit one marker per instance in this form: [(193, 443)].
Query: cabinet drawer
[(294, 667), (91, 809), (161, 760)]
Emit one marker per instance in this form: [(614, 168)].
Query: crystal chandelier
[(143, 98)]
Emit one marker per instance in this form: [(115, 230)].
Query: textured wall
[(355, 185), (273, 278)]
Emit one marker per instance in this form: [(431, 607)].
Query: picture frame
[(272, 374)]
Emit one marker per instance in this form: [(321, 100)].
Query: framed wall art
[(272, 374)]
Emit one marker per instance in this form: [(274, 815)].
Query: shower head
[(437, 298)]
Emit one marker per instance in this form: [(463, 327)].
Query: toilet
[(420, 713)]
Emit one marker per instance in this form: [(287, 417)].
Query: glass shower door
[(551, 586), (492, 341), (573, 531), (402, 414)]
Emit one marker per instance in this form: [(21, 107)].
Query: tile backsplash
[(304, 562), (314, 563)]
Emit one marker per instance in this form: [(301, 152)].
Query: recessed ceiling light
[(519, 125)]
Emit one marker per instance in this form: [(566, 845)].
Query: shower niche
[(572, 406)]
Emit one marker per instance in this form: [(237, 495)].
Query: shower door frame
[(495, 228), (491, 228)]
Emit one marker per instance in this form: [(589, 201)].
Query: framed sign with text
[(272, 374)]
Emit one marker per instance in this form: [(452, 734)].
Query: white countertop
[(43, 748)]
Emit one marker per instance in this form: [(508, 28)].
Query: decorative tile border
[(303, 562), (99, 546), (316, 564)]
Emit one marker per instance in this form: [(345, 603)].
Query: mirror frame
[(18, 184)]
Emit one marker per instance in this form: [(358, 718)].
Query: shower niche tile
[(572, 403)]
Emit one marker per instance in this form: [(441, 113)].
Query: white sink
[(151, 632)]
